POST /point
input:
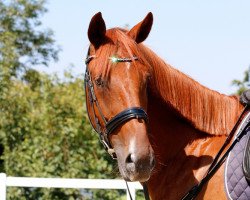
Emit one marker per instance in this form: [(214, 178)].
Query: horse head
[(116, 89)]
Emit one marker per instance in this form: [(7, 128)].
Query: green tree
[(22, 41), (23, 44), (243, 84), (44, 130)]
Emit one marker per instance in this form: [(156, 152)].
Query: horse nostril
[(130, 163), (130, 158)]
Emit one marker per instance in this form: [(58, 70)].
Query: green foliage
[(44, 130), (22, 42), (45, 133), (243, 84)]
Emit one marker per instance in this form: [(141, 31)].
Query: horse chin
[(137, 177)]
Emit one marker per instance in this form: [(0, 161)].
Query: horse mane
[(207, 110)]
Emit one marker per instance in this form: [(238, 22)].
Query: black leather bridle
[(115, 122)]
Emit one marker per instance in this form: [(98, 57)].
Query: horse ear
[(140, 31), (97, 30)]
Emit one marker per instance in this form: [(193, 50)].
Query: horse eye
[(99, 82)]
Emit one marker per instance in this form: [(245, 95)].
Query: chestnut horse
[(182, 123)]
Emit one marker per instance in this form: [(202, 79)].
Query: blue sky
[(207, 40)]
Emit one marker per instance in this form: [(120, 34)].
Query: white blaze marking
[(132, 147), (128, 65)]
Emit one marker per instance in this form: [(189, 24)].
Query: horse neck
[(206, 110), (183, 153), (184, 117)]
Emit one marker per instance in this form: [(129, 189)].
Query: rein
[(195, 190)]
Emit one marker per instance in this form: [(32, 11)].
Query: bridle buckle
[(112, 153), (107, 146)]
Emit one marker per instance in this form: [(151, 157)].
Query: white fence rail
[(65, 183)]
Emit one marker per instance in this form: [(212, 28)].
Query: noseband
[(115, 122)]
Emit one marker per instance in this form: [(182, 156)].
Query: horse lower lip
[(138, 177), (136, 174)]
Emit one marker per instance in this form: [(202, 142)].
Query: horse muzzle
[(137, 166)]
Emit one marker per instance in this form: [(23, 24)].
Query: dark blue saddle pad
[(236, 184)]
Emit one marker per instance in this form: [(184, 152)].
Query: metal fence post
[(2, 186), (132, 192)]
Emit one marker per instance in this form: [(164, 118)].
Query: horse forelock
[(117, 43)]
